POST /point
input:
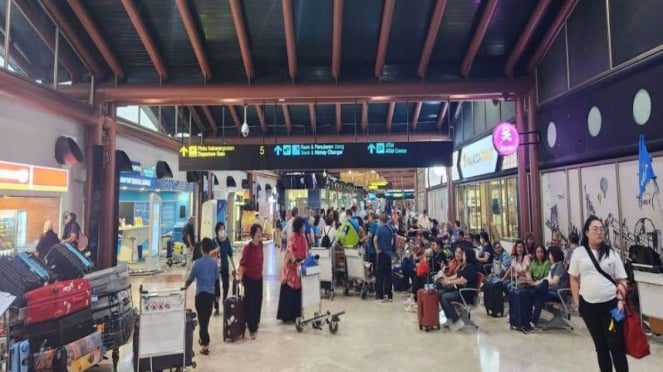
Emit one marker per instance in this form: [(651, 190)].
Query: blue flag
[(645, 169)]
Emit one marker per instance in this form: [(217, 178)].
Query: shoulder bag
[(635, 339)]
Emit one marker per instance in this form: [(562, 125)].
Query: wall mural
[(641, 222), (555, 205), (595, 190)]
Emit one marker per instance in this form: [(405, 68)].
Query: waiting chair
[(560, 310), (464, 308)]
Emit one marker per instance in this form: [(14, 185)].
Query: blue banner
[(645, 169)]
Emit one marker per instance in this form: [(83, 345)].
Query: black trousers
[(217, 288), (383, 277), (252, 302), (204, 303), (609, 344)]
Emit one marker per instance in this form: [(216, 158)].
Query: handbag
[(635, 339)]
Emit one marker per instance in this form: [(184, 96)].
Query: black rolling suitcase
[(68, 262), (59, 332), (493, 298), (234, 324), (167, 361), (118, 329), (17, 279)]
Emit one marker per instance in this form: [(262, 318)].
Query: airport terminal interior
[(331, 185)]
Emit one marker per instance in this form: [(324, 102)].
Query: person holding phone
[(598, 285)]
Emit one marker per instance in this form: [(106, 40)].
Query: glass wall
[(490, 206)]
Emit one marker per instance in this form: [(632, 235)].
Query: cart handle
[(157, 291)]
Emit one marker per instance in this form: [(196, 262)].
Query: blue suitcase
[(37, 267), (520, 308), (19, 353)]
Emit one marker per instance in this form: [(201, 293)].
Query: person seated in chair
[(486, 253), (519, 266), (501, 263), (546, 289), (540, 265), (466, 278)]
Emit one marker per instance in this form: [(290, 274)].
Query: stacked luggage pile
[(59, 320), (112, 307)]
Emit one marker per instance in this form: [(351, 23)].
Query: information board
[(316, 155)]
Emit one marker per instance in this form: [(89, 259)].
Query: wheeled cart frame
[(310, 278)]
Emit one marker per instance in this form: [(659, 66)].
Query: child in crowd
[(206, 274), (422, 273)]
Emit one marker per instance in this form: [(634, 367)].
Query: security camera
[(245, 130)]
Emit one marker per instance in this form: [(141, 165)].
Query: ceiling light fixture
[(245, 126)]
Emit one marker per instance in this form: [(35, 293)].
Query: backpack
[(326, 241)]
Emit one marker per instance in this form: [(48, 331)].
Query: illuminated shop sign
[(15, 176), (506, 139), (478, 158)]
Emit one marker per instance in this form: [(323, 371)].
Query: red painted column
[(535, 178), (523, 187), (108, 222)]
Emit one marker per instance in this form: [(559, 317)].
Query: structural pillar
[(523, 187), (451, 199), (108, 222), (535, 178), (93, 139)]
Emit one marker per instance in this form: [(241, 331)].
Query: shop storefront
[(151, 211), (487, 193), (30, 196)]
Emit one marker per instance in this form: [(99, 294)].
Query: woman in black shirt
[(466, 278)]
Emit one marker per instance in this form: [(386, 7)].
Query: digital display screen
[(316, 155)]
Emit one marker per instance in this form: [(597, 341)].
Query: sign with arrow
[(289, 156)]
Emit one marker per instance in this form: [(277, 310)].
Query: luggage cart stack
[(359, 273), (310, 279), (168, 340), (325, 257)]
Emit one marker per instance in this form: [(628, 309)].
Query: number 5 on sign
[(262, 150)]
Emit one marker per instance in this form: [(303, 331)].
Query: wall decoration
[(599, 188), (641, 222), (575, 206), (555, 205)]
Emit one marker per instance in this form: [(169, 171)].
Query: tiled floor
[(381, 336)]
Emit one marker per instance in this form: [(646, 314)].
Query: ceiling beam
[(197, 120), (96, 36), (383, 41), (312, 117), (440, 116), (337, 37), (194, 38), (148, 136), (390, 115), (261, 118), (210, 119), (143, 34), (525, 37), (364, 116), (47, 34), (15, 56), (290, 43), (429, 44), (214, 94), (477, 38), (551, 34), (339, 118), (74, 38), (242, 38), (235, 117), (416, 114), (36, 95), (286, 116), (343, 138)]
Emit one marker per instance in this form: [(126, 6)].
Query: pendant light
[(245, 126)]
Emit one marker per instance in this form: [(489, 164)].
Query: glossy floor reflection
[(376, 336)]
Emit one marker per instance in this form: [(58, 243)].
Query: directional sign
[(316, 155)]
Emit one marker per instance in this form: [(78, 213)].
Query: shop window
[(489, 206)]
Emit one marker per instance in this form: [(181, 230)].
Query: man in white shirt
[(424, 221)]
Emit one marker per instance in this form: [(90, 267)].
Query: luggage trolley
[(310, 278), (163, 321), (359, 273), (325, 257)]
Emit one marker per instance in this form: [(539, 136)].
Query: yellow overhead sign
[(204, 151)]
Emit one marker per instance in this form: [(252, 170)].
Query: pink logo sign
[(506, 139)]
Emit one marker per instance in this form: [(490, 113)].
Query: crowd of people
[(436, 255)]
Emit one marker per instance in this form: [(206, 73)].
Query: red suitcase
[(428, 309), (57, 300)]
